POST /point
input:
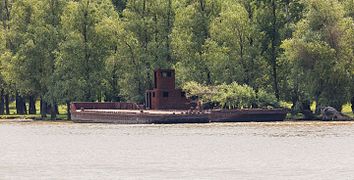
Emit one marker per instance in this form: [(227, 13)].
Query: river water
[(285, 150)]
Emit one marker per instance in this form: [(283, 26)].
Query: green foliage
[(205, 93), (84, 50), (231, 96), (229, 47), (321, 53), (265, 99), (190, 32), (145, 44), (235, 96)]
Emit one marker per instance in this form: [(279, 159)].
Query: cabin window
[(166, 74), (183, 94), (165, 94)]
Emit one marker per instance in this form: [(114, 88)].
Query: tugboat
[(165, 104)]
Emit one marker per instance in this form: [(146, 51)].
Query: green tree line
[(60, 51)]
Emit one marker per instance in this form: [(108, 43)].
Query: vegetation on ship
[(248, 53), (231, 96)]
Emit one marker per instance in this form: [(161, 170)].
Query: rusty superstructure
[(165, 95)]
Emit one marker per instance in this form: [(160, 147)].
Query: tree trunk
[(17, 104), (56, 108), (107, 97), (2, 102), (49, 107), (169, 30), (208, 76), (85, 35), (53, 114), (99, 97), (20, 105), (68, 108), (54, 111), (294, 100), (113, 97), (24, 107), (7, 106), (306, 110), (43, 108), (274, 51), (32, 105)]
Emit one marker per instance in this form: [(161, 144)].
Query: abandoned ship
[(165, 104)]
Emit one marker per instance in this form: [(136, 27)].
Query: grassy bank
[(347, 110), (33, 117), (62, 113)]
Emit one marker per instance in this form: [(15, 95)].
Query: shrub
[(231, 96), (204, 93), (235, 96)]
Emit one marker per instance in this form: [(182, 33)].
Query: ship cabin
[(164, 95)]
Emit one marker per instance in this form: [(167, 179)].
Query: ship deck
[(128, 113), (132, 111)]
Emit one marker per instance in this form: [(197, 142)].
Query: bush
[(234, 96), (231, 96), (204, 93)]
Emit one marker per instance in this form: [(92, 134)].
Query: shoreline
[(24, 120)]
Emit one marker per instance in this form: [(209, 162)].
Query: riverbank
[(28, 118), (285, 122), (63, 117), (20, 120)]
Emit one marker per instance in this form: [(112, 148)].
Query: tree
[(83, 50), (35, 40), (321, 52), (5, 51), (274, 19), (2, 81), (111, 34), (189, 35), (22, 67), (230, 46), (81, 57), (48, 34), (349, 12), (2, 93), (148, 24)]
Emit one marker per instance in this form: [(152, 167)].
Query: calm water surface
[(286, 150)]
